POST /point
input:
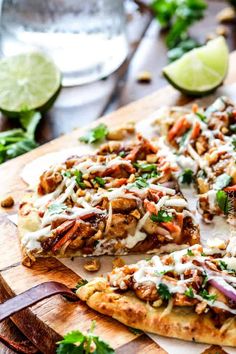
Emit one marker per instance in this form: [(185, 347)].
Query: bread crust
[(181, 323)]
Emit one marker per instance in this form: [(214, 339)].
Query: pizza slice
[(204, 145), (188, 294), (122, 199)]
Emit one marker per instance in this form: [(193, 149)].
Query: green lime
[(201, 70), (27, 81)]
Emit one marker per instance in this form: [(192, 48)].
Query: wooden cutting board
[(46, 322)]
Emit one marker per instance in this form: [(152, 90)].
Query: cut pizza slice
[(187, 295), (204, 146), (122, 199)]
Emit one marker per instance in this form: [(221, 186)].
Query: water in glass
[(85, 38)]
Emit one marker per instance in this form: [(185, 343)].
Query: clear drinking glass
[(85, 38)]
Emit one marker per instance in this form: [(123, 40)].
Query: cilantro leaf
[(232, 127), (205, 295), (223, 265), (100, 181), (18, 141), (190, 252), (223, 201), (162, 216), (56, 208), (78, 343), (140, 183), (67, 174), (186, 176), (222, 181), (189, 292), (233, 142), (79, 179), (201, 116), (164, 292), (146, 167), (81, 282), (95, 135), (29, 120)]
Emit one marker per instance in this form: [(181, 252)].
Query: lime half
[(201, 70), (27, 81)]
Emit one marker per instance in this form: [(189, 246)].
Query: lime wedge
[(201, 70), (27, 81)]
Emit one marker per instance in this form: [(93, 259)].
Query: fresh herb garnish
[(222, 181), (78, 343), (95, 135), (205, 295), (164, 292), (223, 265), (190, 252), (122, 153), (81, 282), (140, 183), (79, 179), (56, 208), (232, 127), (162, 216), (186, 176), (205, 280), (100, 181), (223, 201), (233, 142), (18, 141), (178, 16), (201, 116), (148, 175), (184, 138), (135, 330), (146, 167), (189, 292), (67, 174)]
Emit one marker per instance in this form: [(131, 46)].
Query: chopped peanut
[(8, 202), (92, 265), (157, 303), (226, 15), (151, 158), (144, 77), (136, 214), (222, 31), (118, 262)]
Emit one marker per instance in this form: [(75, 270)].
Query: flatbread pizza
[(188, 294), (122, 199)]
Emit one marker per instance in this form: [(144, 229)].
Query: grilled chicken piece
[(121, 226), (123, 205), (49, 181), (147, 291)]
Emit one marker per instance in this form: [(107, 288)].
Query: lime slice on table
[(201, 70), (27, 81)]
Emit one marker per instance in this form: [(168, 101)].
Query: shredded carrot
[(179, 128), (119, 182), (196, 131), (230, 189), (194, 108), (170, 226), (69, 234), (150, 207)]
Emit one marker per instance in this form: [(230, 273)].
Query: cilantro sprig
[(189, 292), (95, 135), (164, 291), (15, 142), (77, 342), (162, 216), (79, 179), (187, 176), (223, 202), (205, 295), (178, 16)]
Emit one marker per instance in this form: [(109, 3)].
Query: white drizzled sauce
[(31, 239)]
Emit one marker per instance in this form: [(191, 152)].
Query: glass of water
[(85, 38)]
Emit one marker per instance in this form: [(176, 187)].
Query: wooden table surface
[(78, 106)]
